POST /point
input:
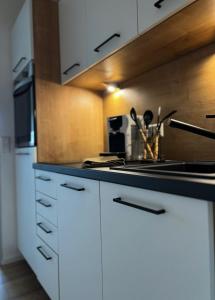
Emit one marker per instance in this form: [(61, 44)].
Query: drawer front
[(45, 183), (47, 208), (47, 232), (47, 269)]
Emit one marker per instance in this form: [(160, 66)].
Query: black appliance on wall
[(24, 108)]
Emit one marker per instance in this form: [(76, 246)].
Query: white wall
[(8, 11)]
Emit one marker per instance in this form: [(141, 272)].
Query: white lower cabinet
[(114, 242), (25, 194), (79, 239), (47, 269), (155, 246)]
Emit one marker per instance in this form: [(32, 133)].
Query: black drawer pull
[(40, 201), (67, 186), (152, 211), (97, 49), (43, 228), (158, 3), (43, 178), (40, 249), (18, 64), (70, 68)]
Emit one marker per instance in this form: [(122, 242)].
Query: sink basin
[(202, 169), (199, 169)]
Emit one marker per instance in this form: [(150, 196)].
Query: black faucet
[(193, 129)]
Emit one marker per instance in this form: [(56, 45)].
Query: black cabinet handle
[(158, 3), (43, 178), (149, 210), (210, 116), (18, 64), (40, 201), (43, 228), (67, 186), (70, 68), (97, 49), (40, 249)]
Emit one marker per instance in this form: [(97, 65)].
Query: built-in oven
[(24, 108)]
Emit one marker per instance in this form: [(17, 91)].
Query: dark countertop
[(196, 188)]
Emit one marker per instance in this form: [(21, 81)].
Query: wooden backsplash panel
[(70, 123), (69, 120), (188, 85)]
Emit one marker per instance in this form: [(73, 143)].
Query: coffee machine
[(123, 136)]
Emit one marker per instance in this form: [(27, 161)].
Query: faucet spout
[(191, 128)]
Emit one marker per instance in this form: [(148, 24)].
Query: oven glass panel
[(24, 115)]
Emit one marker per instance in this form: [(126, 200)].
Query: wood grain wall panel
[(69, 120), (46, 40), (186, 84), (70, 123)]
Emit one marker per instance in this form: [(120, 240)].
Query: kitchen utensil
[(148, 117), (158, 117), (133, 115), (166, 117)]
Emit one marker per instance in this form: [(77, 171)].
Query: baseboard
[(10, 260)]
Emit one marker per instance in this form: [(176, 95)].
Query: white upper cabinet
[(152, 12), (72, 14), (110, 25), (22, 39)]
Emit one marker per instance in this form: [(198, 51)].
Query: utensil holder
[(154, 142)]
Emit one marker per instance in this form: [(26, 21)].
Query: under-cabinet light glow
[(111, 88)]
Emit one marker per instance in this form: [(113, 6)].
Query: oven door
[(24, 107)]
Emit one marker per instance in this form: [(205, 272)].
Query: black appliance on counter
[(123, 137), (116, 133), (24, 108)]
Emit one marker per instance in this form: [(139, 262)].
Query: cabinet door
[(22, 39), (72, 14), (110, 25), (25, 197), (152, 12), (79, 239), (147, 256)]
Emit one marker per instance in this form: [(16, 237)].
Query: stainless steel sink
[(200, 169)]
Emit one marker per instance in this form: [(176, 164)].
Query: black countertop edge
[(188, 187)]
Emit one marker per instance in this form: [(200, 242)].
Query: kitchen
[(113, 149)]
